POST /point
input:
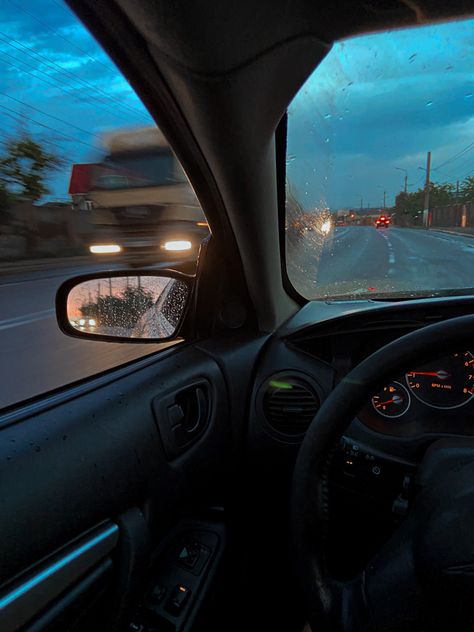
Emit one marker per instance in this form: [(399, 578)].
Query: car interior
[(253, 474)]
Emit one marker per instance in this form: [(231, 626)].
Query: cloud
[(379, 102)]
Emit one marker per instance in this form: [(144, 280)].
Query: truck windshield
[(125, 171)]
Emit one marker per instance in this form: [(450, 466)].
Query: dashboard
[(325, 341), (435, 398)]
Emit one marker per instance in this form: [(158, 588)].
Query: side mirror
[(130, 306)]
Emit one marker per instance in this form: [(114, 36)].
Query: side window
[(87, 182)]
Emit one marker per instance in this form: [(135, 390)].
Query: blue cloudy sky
[(375, 103), (379, 102), (59, 84)]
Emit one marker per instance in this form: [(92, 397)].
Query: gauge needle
[(389, 401), (395, 400), (441, 374)]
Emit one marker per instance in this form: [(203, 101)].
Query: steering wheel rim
[(332, 605)]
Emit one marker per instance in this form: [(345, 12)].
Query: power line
[(59, 86), (457, 155), (71, 138), (55, 31), (56, 118), (65, 8), (463, 165), (52, 63), (466, 174)]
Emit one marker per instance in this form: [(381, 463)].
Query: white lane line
[(391, 256), (25, 319)]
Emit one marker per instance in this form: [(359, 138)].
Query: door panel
[(93, 456), (41, 585)]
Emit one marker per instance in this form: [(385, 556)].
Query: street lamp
[(406, 177), (379, 186)]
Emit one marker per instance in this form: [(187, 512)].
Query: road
[(361, 260), (36, 357)]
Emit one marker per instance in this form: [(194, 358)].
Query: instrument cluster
[(446, 383), (427, 396)]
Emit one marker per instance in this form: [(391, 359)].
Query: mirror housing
[(134, 306)]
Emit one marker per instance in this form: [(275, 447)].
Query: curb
[(452, 232)]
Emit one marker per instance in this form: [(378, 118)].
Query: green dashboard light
[(278, 384)]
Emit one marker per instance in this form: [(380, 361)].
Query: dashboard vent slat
[(289, 404)]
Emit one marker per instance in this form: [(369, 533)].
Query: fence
[(455, 216)]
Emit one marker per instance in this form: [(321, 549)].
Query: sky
[(57, 82), (372, 109)]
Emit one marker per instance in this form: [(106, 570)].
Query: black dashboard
[(373, 470), (325, 340), (427, 399)]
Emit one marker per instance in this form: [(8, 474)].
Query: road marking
[(25, 319), (391, 255)]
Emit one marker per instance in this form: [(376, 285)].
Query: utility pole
[(361, 204), (457, 191), (384, 198), (406, 177), (426, 209)]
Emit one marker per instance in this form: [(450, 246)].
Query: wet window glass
[(87, 182), (380, 168)]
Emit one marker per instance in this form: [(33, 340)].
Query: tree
[(120, 310), (409, 206), (25, 167), (467, 190), (442, 194)]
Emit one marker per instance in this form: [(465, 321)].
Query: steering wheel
[(423, 578)]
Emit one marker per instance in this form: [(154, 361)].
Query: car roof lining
[(215, 38)]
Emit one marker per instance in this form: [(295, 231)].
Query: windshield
[(125, 171), (380, 168)]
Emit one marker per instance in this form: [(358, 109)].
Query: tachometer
[(392, 401), (444, 383)]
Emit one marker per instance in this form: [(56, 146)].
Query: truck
[(137, 200)]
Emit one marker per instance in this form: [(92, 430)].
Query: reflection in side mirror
[(139, 307)]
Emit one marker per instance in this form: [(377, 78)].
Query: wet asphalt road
[(35, 357), (363, 259)]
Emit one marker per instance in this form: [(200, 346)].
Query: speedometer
[(444, 383)]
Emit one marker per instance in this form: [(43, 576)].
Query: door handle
[(196, 411), (183, 417), (188, 415)]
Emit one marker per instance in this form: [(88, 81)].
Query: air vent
[(289, 404)]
